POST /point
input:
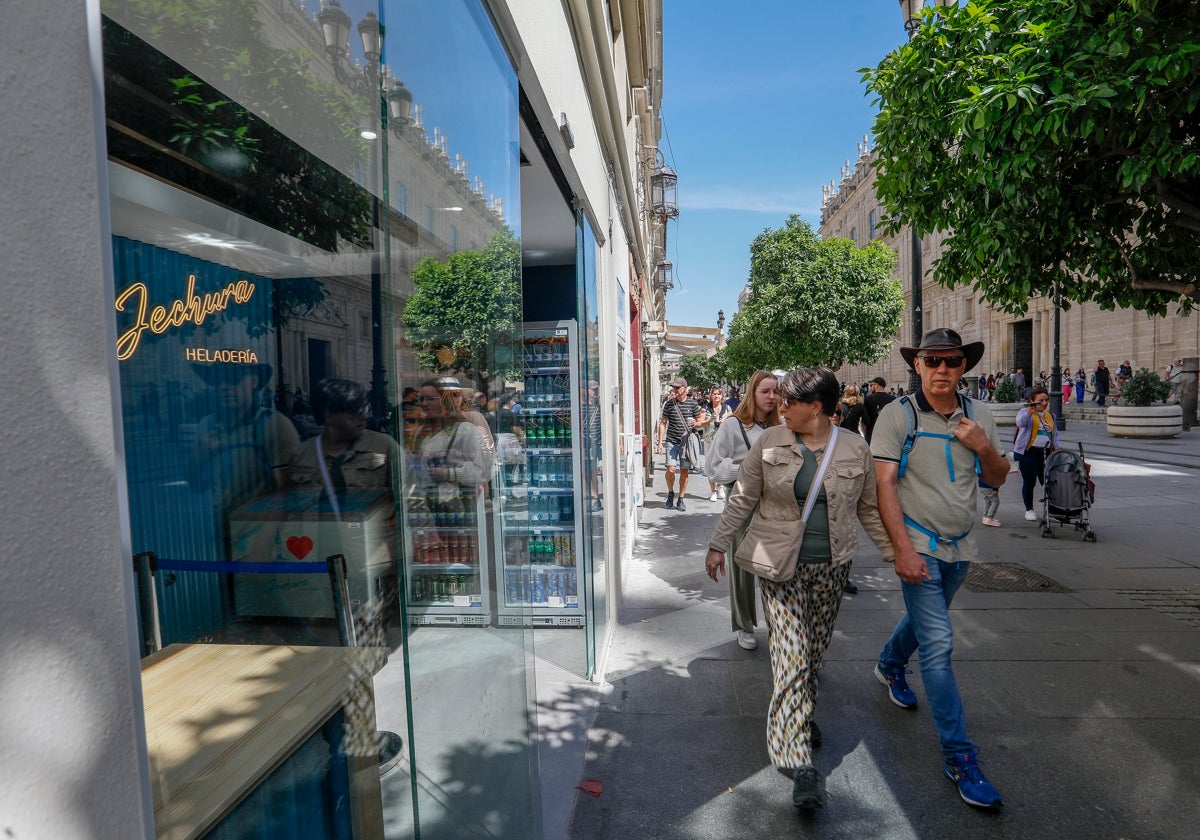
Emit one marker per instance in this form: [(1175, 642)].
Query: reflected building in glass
[(369, 295)]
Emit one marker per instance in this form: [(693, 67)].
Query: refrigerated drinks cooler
[(539, 581), (303, 526), (447, 560)]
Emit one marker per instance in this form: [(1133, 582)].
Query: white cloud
[(731, 198)]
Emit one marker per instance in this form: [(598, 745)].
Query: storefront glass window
[(308, 373)]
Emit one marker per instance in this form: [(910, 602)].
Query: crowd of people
[(800, 463)]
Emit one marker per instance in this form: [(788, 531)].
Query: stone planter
[(1151, 421), (1006, 413)]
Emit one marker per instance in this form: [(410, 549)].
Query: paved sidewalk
[(1084, 702)]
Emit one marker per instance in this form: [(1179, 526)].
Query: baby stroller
[(1070, 492)]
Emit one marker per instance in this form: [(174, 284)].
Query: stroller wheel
[(1090, 536), (1047, 531)]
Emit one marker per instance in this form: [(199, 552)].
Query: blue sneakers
[(670, 500), (898, 689), (963, 770)]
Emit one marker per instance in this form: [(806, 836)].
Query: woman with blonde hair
[(853, 410), (757, 412)]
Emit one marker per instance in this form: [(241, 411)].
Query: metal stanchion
[(145, 566)]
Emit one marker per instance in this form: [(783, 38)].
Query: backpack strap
[(936, 539), (911, 433)]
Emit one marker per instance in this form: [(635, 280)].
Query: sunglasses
[(934, 362)]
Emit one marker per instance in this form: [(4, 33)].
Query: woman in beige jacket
[(775, 479)]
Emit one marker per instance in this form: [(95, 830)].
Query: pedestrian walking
[(716, 411), (758, 412), (1103, 378), (678, 418), (873, 403), (805, 480), (929, 450), (1035, 436)]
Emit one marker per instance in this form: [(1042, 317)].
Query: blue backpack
[(912, 432)]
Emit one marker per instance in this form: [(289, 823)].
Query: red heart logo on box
[(299, 546)]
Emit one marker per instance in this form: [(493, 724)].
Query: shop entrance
[(318, 361)]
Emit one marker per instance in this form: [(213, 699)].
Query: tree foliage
[(695, 368), (464, 306), (1056, 142), (814, 302)]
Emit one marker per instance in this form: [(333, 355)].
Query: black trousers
[(1032, 463)]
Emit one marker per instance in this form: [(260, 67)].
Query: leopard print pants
[(800, 614)]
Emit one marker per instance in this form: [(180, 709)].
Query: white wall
[(70, 720)]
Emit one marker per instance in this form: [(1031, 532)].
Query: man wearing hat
[(927, 499), (679, 415)]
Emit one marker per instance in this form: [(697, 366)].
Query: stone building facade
[(850, 209)]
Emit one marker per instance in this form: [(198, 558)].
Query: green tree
[(814, 302), (694, 367), (1055, 141), (462, 307)]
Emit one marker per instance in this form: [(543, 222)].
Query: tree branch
[(1179, 288)]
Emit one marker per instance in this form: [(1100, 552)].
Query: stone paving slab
[(1083, 703)]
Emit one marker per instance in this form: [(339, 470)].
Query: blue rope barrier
[(310, 568)]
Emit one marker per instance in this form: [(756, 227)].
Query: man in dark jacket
[(873, 403), (1103, 380)]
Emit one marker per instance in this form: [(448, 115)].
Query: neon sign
[(190, 309)]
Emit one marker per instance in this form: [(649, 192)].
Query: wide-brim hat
[(945, 339)]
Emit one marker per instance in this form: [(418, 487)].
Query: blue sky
[(762, 104)]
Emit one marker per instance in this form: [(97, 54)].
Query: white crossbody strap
[(812, 491)]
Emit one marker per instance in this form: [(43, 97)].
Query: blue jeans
[(926, 625)]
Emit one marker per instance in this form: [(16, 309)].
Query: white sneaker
[(746, 640), (1031, 516), (721, 492), (713, 496)]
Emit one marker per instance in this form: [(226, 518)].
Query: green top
[(815, 548)]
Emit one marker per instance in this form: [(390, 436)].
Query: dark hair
[(880, 381), (1035, 390), (334, 395), (809, 385)]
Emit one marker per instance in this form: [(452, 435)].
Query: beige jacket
[(766, 483)]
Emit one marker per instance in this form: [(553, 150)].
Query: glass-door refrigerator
[(538, 579), (446, 550)]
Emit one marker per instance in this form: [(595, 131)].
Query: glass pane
[(593, 412), (319, 305)]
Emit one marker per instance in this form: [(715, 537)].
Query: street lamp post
[(396, 103), (1057, 409), (910, 10)]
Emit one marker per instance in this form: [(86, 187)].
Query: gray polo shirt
[(927, 495)]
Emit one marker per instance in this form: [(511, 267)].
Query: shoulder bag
[(771, 549), (692, 456)]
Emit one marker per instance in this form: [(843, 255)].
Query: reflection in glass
[(307, 372)]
